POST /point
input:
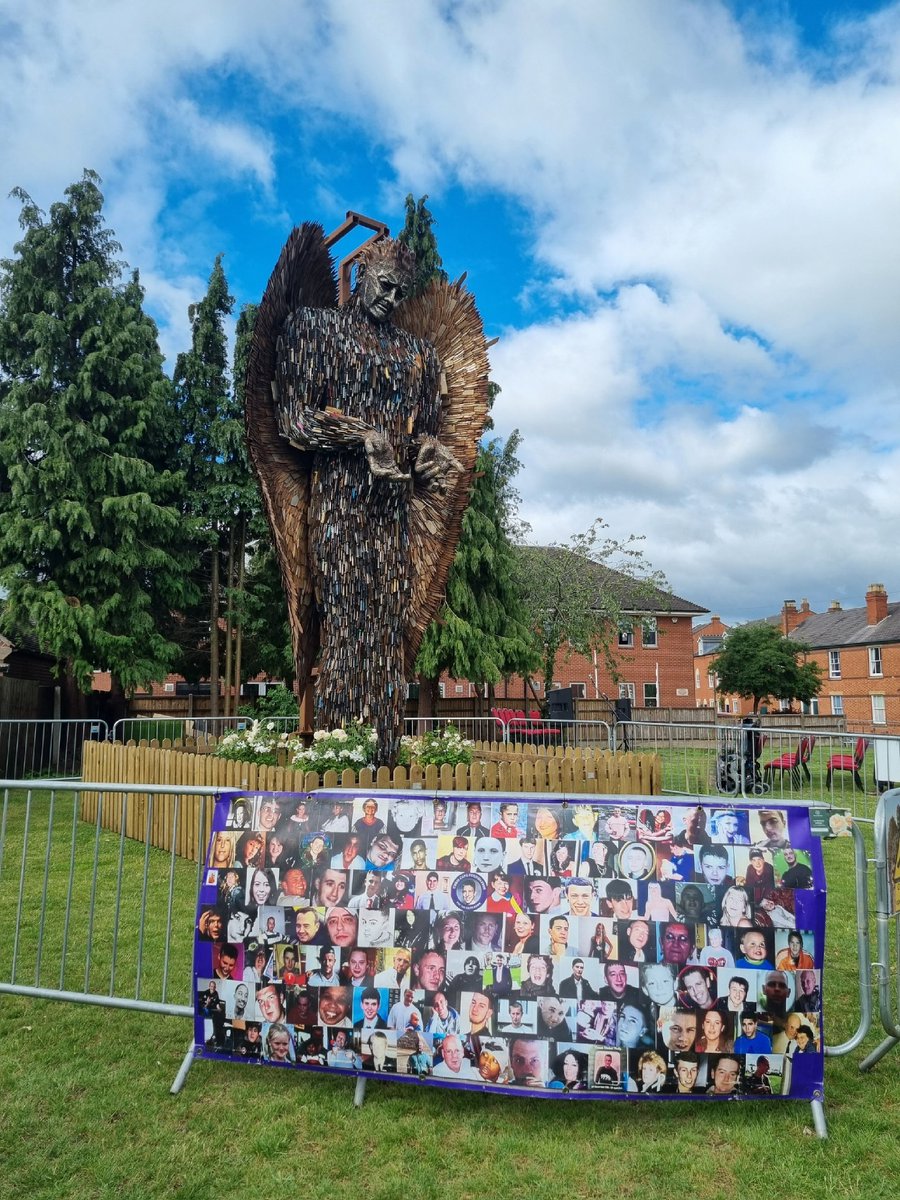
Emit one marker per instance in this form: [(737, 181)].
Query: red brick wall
[(673, 653), (857, 687)]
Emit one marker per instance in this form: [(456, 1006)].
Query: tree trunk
[(227, 708), (214, 629), (74, 701), (239, 629), (427, 689), (116, 706)]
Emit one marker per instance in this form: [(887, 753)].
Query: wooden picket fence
[(182, 822)]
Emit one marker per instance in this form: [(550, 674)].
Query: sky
[(679, 217)]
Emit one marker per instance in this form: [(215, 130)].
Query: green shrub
[(277, 702), (436, 748), (255, 744), (338, 750)]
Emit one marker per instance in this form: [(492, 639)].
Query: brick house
[(653, 656), (858, 650), (708, 641)]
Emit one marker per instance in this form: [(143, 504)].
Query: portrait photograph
[(650, 949)]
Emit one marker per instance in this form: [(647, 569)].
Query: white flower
[(339, 735), (320, 735)]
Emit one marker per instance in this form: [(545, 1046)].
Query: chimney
[(790, 618), (804, 613), (835, 606), (876, 604)]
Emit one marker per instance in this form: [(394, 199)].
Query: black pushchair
[(740, 748)]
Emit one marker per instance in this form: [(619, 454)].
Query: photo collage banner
[(592, 949)]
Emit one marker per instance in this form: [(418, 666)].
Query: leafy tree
[(92, 547), (418, 236), (757, 661), (482, 632), (277, 702), (580, 594)]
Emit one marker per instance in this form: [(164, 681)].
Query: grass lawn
[(691, 769), (87, 1111)]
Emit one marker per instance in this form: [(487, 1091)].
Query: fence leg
[(818, 1112), (360, 1094), (878, 1053), (186, 1063)]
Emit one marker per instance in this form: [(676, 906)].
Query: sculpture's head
[(384, 277)]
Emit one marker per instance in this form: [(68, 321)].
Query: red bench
[(532, 727)]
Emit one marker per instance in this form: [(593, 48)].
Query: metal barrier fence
[(92, 916), (98, 917), (31, 748), (473, 729), (201, 730), (531, 731), (887, 918), (844, 770)]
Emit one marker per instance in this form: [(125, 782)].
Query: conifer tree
[(211, 453), (418, 236), (92, 546), (481, 633)]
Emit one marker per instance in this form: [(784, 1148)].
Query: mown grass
[(87, 1112), (691, 769)]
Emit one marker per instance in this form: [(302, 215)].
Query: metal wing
[(303, 277), (445, 314)]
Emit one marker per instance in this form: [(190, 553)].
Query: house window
[(648, 633), (651, 699), (536, 685), (697, 678), (626, 691), (737, 706), (784, 705), (442, 689), (811, 707), (834, 664), (578, 691), (626, 635), (458, 689), (878, 717), (837, 706), (710, 679), (875, 661), (168, 687)]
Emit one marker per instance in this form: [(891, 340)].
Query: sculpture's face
[(381, 289)]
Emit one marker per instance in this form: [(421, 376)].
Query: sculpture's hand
[(381, 458), (435, 465)]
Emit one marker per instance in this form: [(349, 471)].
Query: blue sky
[(679, 216)]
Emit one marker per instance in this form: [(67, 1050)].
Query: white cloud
[(734, 191)]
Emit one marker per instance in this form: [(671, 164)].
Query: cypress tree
[(418, 236), (211, 453), (92, 550), (481, 633)]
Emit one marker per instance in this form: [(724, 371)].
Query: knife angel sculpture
[(362, 426)]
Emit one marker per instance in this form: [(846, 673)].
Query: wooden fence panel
[(178, 816)]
